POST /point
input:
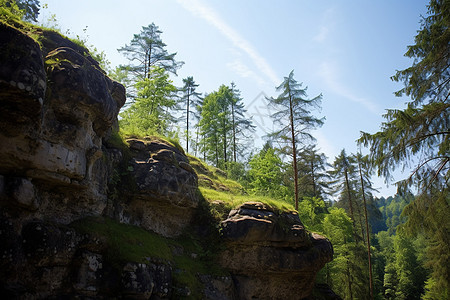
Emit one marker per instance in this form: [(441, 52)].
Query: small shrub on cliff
[(10, 12)]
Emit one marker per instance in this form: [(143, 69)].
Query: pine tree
[(410, 274), (223, 125), (150, 113), (213, 124), (197, 114), (266, 172), (344, 184), (30, 9), (293, 114), (312, 176), (347, 275), (242, 127), (365, 185), (191, 98), (147, 50)]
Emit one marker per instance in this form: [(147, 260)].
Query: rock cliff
[(83, 214), (270, 254)]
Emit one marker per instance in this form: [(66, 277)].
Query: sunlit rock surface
[(270, 254)]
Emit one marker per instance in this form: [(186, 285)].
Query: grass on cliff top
[(11, 16), (225, 194), (148, 136)]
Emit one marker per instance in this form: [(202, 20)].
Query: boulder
[(270, 254), (78, 88), (256, 223)]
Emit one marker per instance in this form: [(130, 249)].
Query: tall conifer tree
[(147, 50), (293, 114), (191, 98)]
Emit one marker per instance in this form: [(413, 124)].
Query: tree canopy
[(421, 131), (147, 50)]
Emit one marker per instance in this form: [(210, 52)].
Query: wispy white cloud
[(205, 12), (244, 71), (325, 145), (326, 25), (329, 74), (322, 35)]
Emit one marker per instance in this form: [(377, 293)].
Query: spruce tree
[(293, 114), (344, 184), (242, 127), (147, 50), (151, 111), (313, 178), (191, 98), (223, 125), (30, 8), (365, 185)]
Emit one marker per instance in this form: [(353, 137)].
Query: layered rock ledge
[(270, 254)]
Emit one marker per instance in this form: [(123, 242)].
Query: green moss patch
[(125, 243), (128, 243)]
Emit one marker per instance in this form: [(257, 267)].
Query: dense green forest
[(385, 248)]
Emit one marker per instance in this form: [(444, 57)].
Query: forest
[(384, 248)]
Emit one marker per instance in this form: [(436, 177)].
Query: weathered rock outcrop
[(270, 254), (166, 191), (59, 167), (55, 111)]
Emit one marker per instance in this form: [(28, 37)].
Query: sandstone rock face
[(55, 111), (271, 255), (58, 167), (165, 196)]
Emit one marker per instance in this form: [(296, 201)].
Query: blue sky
[(346, 50)]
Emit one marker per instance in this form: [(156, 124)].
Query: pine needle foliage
[(293, 115), (418, 136)]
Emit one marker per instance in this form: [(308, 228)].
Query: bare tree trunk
[(225, 144), (358, 209), (367, 232), (149, 62), (294, 151), (196, 141), (350, 204), (145, 66), (313, 178), (234, 131), (217, 150), (187, 121), (349, 279)]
